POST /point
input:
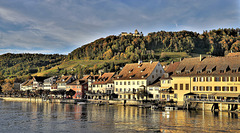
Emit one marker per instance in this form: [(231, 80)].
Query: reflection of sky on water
[(47, 117)]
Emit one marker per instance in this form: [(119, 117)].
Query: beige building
[(102, 87), (208, 78), (136, 77)]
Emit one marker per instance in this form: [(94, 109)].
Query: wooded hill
[(113, 52), (214, 42), (13, 65)]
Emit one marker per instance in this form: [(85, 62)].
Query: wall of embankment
[(39, 100)]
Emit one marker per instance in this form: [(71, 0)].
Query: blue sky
[(60, 26)]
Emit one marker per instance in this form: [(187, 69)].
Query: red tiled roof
[(170, 70), (104, 79), (136, 71)]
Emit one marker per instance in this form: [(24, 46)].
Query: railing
[(212, 100)]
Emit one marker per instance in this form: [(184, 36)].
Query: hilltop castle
[(136, 33)]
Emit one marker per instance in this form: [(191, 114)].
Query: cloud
[(61, 26)]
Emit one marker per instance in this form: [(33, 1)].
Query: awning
[(226, 94)]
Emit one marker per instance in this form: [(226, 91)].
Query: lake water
[(22, 117)]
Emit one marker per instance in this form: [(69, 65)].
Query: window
[(120, 90), (233, 88), (217, 88), (175, 86), (238, 79), (128, 82), (157, 96), (160, 71), (124, 82), (116, 83), (195, 88), (169, 81), (120, 96), (217, 79), (202, 79), (225, 88), (233, 79), (150, 89), (209, 88), (142, 82), (156, 89), (137, 82), (181, 86), (152, 76), (195, 79), (163, 96), (187, 86), (156, 70), (124, 89), (163, 81), (120, 83), (202, 88), (208, 79), (175, 95), (225, 79), (221, 71)]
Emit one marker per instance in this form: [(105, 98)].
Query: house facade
[(136, 77), (103, 86), (49, 82), (80, 87), (208, 78), (63, 81)]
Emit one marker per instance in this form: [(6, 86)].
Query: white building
[(135, 77), (49, 82)]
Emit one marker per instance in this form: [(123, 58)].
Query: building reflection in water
[(53, 117)]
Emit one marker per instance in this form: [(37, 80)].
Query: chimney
[(180, 59), (200, 57), (139, 62), (151, 62)]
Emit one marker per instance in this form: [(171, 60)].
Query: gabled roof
[(104, 79), (212, 65), (64, 79), (77, 82), (28, 82), (170, 70), (137, 71)]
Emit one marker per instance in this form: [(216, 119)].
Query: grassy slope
[(68, 65)]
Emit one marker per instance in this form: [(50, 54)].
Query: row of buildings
[(201, 77)]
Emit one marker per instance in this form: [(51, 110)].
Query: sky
[(60, 26)]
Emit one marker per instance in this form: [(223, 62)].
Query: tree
[(71, 93), (7, 88)]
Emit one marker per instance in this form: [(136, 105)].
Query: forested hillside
[(214, 42), (12, 65)]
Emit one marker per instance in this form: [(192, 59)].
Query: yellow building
[(208, 78)]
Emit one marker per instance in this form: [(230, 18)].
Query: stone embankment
[(39, 100)]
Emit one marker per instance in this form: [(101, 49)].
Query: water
[(22, 117)]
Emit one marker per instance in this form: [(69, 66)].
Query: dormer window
[(144, 75), (132, 76), (209, 71), (139, 65), (221, 71), (143, 70), (166, 75), (130, 70), (178, 72), (187, 71), (234, 71), (199, 71)]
